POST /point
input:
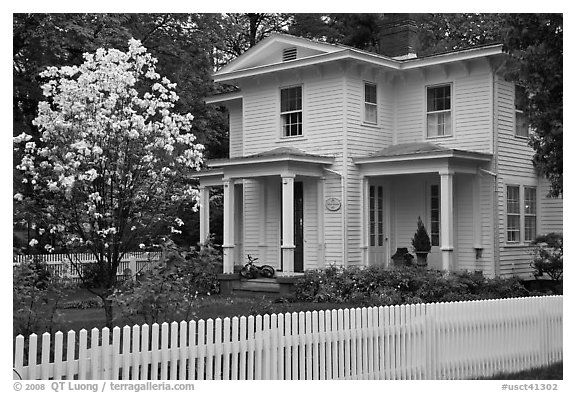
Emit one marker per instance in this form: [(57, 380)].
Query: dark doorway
[(299, 226)]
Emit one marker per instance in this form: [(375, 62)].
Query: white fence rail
[(63, 264), (423, 341)]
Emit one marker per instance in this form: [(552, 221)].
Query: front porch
[(444, 187), (265, 197)]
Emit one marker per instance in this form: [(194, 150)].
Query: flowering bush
[(380, 286), (549, 256), (171, 286), (36, 293), (108, 173)]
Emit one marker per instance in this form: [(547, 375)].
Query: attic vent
[(289, 54)]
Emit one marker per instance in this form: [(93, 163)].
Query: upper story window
[(520, 214), (520, 101), (439, 110), (291, 111), (370, 103)]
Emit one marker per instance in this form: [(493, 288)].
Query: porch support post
[(364, 219), (204, 214), (476, 214), (447, 219), (228, 245), (288, 223), (321, 243)]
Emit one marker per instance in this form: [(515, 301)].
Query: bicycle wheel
[(246, 273), (267, 271)]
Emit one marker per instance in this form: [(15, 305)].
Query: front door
[(298, 228), (377, 237)]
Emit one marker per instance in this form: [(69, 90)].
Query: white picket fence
[(423, 341), (63, 264)]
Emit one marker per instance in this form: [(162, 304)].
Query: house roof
[(245, 66), (419, 150)]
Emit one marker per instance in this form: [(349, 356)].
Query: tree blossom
[(109, 171)]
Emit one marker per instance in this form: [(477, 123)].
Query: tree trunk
[(108, 311)]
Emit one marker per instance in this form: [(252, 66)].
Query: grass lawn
[(215, 306), (552, 372)]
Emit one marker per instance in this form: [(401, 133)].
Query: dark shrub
[(379, 286)]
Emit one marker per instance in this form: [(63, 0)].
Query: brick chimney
[(398, 37)]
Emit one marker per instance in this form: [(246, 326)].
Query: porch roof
[(280, 154), (420, 157), (420, 150), (283, 161)]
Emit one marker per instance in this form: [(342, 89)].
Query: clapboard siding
[(514, 154), (236, 129), (310, 227), (471, 110), (322, 114), (551, 210)]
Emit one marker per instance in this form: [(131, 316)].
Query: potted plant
[(421, 244)]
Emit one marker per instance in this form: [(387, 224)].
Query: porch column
[(447, 219), (288, 223), (228, 245), (364, 219), (321, 242), (204, 214)]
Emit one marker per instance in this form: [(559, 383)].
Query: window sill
[(440, 137), (525, 138), (517, 245), (370, 125), (286, 139)]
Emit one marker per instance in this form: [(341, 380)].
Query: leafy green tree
[(535, 43), (108, 173)]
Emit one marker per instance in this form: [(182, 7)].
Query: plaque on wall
[(333, 204)]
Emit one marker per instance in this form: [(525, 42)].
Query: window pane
[(529, 228), (530, 200), (521, 124), (370, 93), (440, 124), (513, 200), (291, 99), (438, 98), (370, 113), (513, 228)]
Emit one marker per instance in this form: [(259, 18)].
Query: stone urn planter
[(422, 245)]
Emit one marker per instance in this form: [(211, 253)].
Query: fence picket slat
[(201, 350), (126, 354), (183, 352), (164, 350), (155, 352), (192, 350), (116, 365), (227, 350), (45, 363), (70, 358), (83, 354), (136, 353), (106, 354), (218, 349), (58, 351), (209, 349), (174, 351)]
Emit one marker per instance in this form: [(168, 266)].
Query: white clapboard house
[(335, 152)]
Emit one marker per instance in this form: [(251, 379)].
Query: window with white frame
[(291, 111), (520, 100), (520, 214), (439, 110), (370, 103)]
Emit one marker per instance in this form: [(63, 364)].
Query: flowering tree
[(108, 173)]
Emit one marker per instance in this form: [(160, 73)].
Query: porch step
[(257, 286)]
